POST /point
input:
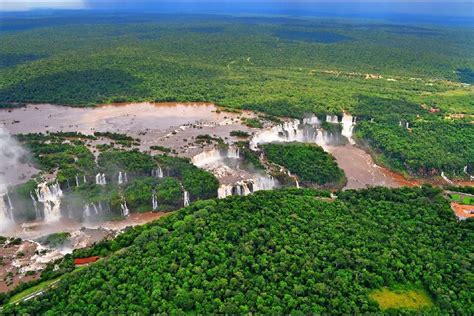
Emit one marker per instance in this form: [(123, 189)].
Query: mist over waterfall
[(10, 154)]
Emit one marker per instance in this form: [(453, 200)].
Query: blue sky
[(429, 7)]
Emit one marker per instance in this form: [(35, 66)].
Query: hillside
[(281, 252)]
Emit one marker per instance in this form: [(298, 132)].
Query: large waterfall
[(348, 122), (50, 196), (212, 156)]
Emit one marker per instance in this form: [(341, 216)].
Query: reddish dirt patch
[(463, 211)]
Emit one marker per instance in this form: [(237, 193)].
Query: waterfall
[(96, 211), (101, 210), (87, 211), (294, 178), (407, 125), (400, 123), (311, 120), (124, 207), (158, 173), (233, 152), (263, 183), (120, 178), (224, 191), (125, 177), (5, 215), (100, 179), (465, 170), (332, 119), (35, 205), (50, 196), (186, 198), (77, 181), (154, 201), (446, 178), (348, 123), (214, 155), (85, 180)]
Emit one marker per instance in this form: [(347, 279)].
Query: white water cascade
[(77, 181), (214, 155), (186, 198), (332, 119), (154, 201), (246, 187), (50, 196), (348, 122), (124, 207), (158, 173), (100, 179), (311, 120), (293, 131), (35, 205), (120, 178), (85, 180), (6, 216), (446, 178)]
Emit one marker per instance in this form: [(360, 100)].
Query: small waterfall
[(154, 201), (120, 178), (125, 177), (10, 204), (407, 125), (85, 180), (311, 120), (332, 119), (465, 170), (50, 196), (86, 213), (96, 211), (158, 173), (100, 179), (35, 205), (124, 207), (400, 123), (294, 178), (77, 181), (101, 210), (186, 198), (446, 178)]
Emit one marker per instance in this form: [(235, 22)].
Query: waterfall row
[(293, 132), (246, 187)]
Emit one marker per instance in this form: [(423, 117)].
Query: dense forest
[(310, 163), (280, 66), (286, 251)]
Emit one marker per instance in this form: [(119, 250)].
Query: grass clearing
[(412, 298), (31, 290)]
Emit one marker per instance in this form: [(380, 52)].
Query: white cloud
[(25, 5)]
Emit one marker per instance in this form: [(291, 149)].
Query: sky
[(427, 7)]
